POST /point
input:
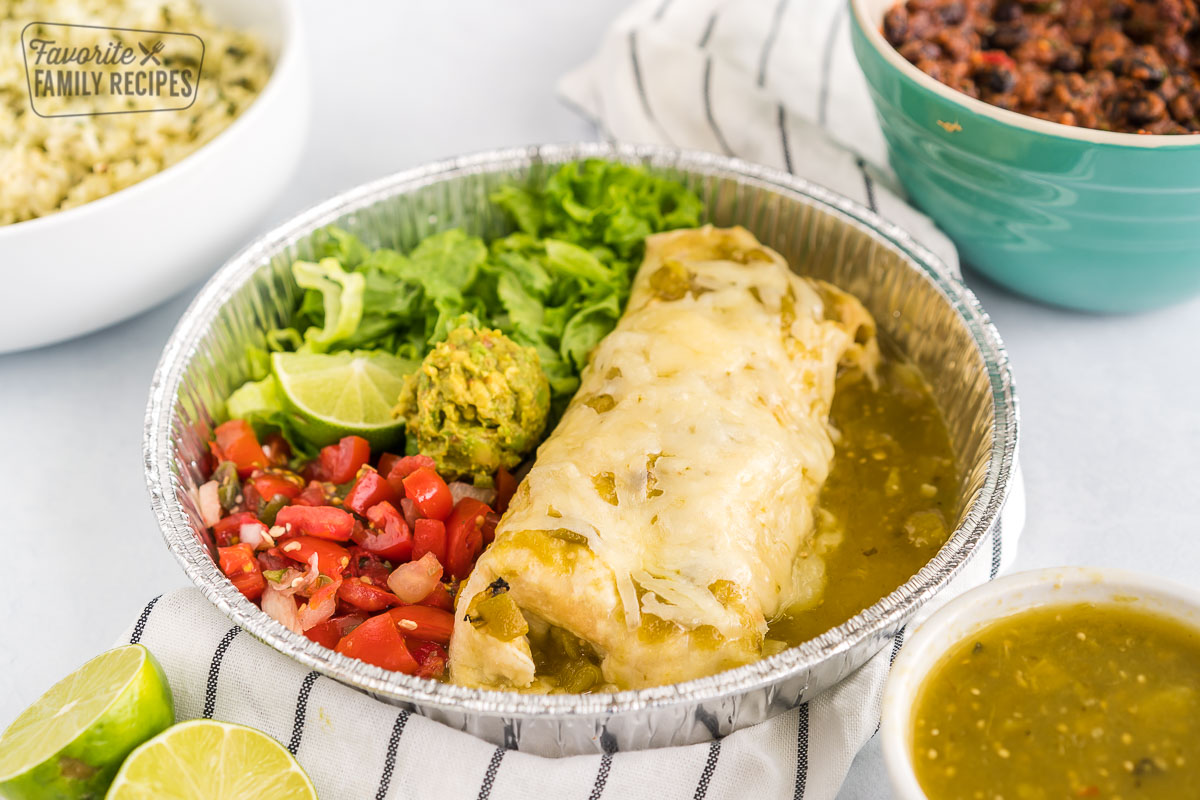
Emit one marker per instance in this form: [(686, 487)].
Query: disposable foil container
[(915, 298)]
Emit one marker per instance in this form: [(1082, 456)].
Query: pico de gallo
[(362, 553)]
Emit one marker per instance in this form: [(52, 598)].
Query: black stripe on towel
[(389, 763), (997, 551), (710, 766), (783, 138), (301, 711), (827, 65), (708, 31), (140, 627), (769, 42), (510, 736), (489, 777), (801, 752), (601, 776), (658, 15), (896, 645), (637, 76), (643, 95), (868, 184), (708, 108), (214, 672)]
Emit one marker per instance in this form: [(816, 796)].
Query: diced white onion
[(309, 615), (210, 503), (412, 582), (281, 608), (459, 490), (255, 534)]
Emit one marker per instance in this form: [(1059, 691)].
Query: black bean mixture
[(1114, 65)]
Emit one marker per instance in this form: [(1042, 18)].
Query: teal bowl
[(1075, 217)]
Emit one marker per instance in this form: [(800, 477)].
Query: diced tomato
[(409, 509), (272, 559), (312, 495), (325, 634), (430, 537), (440, 597), (276, 449), (370, 489), (431, 659), (339, 463), (326, 522), (506, 487), (270, 484), (401, 468), (241, 567), (251, 501), (366, 596), (464, 536), (229, 528), (386, 462), (236, 442), (490, 521), (364, 564), (424, 622), (429, 492), (331, 631), (389, 537), (332, 559), (378, 641)]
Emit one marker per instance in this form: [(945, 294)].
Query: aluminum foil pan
[(915, 298)]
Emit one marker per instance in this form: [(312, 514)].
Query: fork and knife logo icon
[(151, 54)]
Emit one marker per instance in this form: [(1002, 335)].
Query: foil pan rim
[(887, 613)]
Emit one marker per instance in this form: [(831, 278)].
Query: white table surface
[(1110, 406)]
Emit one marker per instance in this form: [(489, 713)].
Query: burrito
[(670, 514)]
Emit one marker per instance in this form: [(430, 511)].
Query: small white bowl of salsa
[(1057, 683)]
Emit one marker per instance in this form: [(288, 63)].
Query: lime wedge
[(207, 760), (341, 394), (72, 740)]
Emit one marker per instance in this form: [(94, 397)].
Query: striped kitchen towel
[(770, 81), (356, 747)]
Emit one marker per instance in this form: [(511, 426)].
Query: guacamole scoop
[(478, 402)]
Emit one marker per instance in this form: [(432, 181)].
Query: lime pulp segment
[(346, 390), (208, 760)]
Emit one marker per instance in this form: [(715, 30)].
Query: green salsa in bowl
[(1057, 683)]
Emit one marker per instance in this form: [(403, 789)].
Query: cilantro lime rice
[(54, 163)]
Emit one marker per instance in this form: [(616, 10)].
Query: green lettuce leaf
[(558, 283)]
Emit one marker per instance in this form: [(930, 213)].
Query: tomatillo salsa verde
[(1062, 702)]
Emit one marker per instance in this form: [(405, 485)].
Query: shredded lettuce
[(558, 283)]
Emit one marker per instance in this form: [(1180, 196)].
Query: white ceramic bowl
[(965, 615), (78, 270)]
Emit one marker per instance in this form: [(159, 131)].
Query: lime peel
[(71, 741), (343, 394)]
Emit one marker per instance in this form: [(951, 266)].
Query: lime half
[(207, 760), (340, 394), (70, 742)]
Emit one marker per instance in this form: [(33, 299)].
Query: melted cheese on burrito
[(667, 516)]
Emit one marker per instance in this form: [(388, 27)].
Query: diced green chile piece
[(229, 488), (271, 509)]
